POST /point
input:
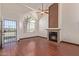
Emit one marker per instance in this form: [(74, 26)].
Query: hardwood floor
[(38, 47)]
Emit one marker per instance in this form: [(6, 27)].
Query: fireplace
[(53, 36)]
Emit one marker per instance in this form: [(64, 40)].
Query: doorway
[(9, 31)]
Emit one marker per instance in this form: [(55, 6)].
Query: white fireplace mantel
[(54, 30)]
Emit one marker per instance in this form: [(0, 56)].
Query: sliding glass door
[(9, 31)]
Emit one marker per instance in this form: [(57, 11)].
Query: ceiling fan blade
[(46, 12), (30, 8)]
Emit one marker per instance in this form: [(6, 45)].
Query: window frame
[(28, 25)]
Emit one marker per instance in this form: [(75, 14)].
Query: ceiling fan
[(42, 11)]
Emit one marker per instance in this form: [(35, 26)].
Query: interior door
[(9, 31)]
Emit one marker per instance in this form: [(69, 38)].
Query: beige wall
[(70, 22)]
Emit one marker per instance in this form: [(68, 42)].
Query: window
[(30, 24), (9, 25)]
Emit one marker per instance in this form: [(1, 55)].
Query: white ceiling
[(16, 9), (38, 5), (12, 7), (20, 7)]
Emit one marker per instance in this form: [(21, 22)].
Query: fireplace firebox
[(53, 36)]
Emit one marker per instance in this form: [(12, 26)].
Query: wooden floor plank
[(38, 47)]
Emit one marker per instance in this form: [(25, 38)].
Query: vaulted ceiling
[(38, 5), (16, 9)]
